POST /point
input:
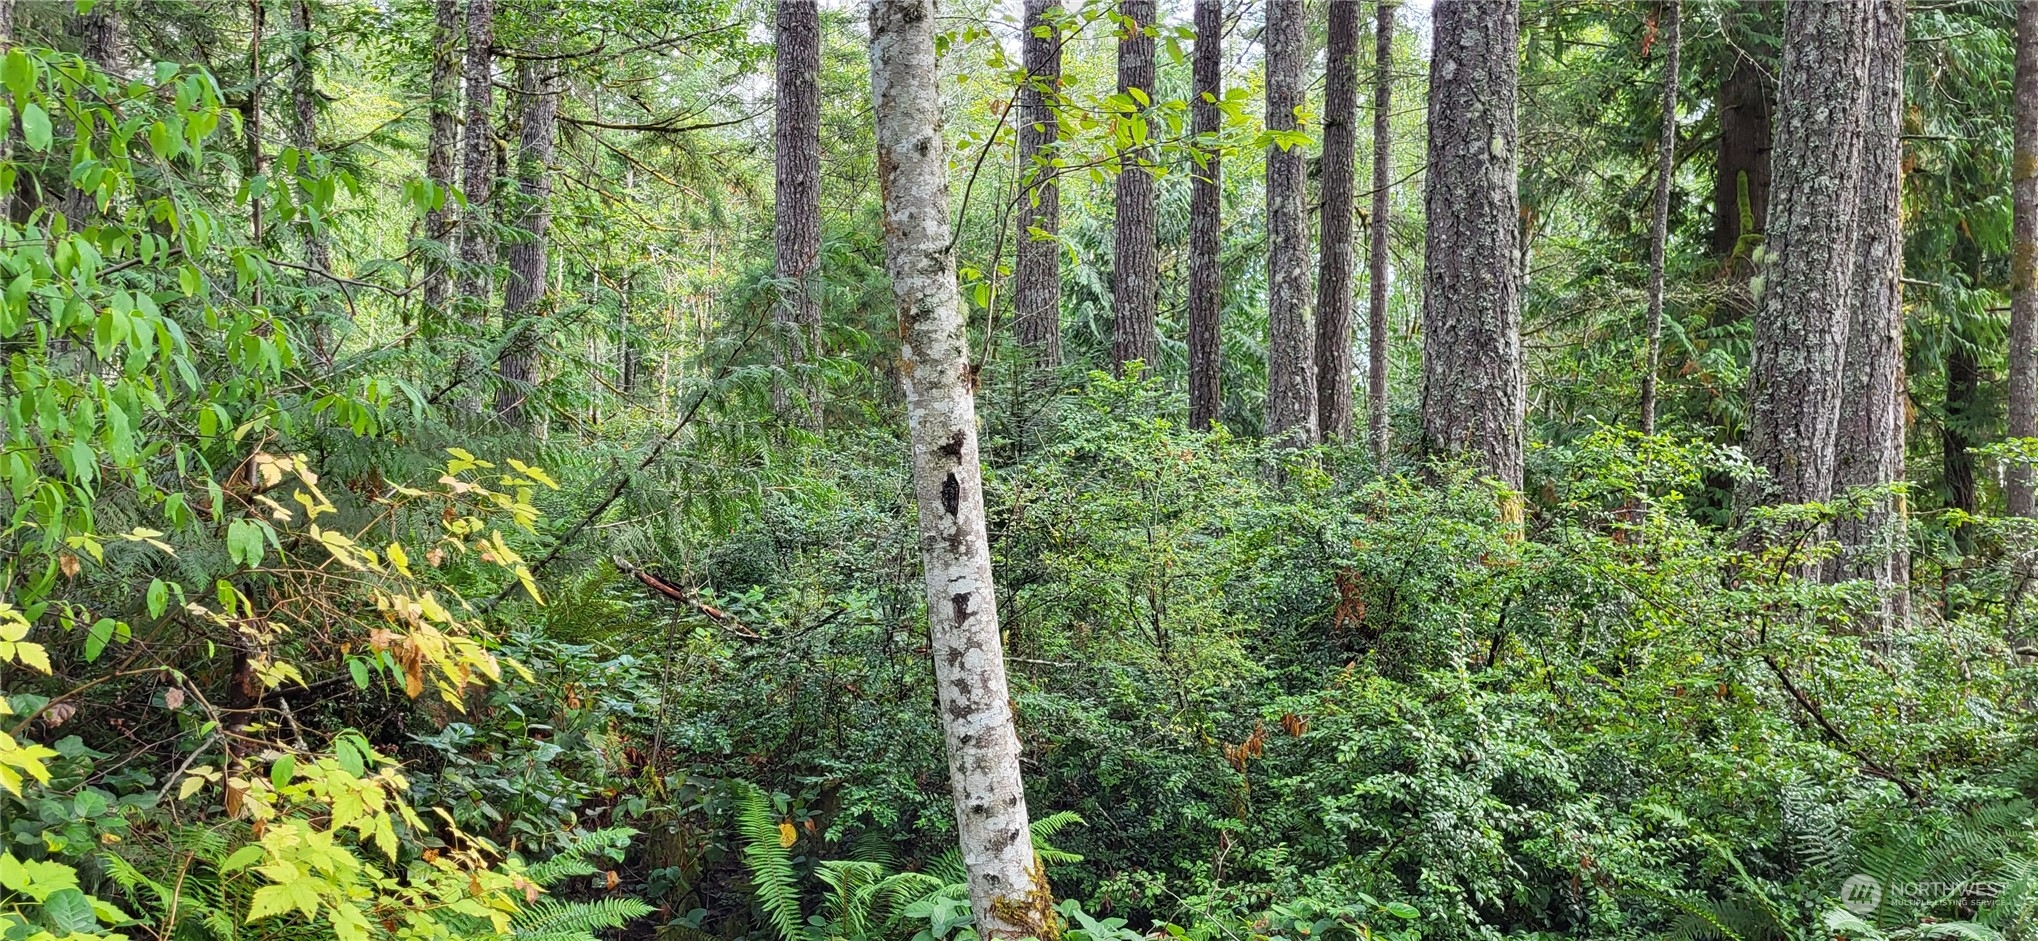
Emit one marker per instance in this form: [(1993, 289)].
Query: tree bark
[(1206, 220), (1870, 445), (258, 161), (1036, 271), (439, 146), (1135, 261), (1472, 383), (477, 183), (1008, 888), (1291, 383), (1803, 313), (1339, 168), (304, 137), (1377, 431), (1746, 105), (2023, 366), (797, 213), (526, 285), (1659, 223)]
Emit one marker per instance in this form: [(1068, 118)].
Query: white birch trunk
[(1008, 891)]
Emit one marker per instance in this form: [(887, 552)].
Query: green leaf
[(70, 912), (96, 639), (159, 597), (359, 668), (35, 126), (281, 772)]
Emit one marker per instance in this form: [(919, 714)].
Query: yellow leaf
[(786, 834), (191, 785), (33, 655), (399, 558)]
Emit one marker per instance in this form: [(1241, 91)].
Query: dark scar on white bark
[(960, 602), (951, 494)]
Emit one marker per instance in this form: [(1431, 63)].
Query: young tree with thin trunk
[(1008, 890), (1036, 271), (1377, 432), (1206, 233), (1802, 316), (797, 198), (527, 267), (439, 146), (1135, 261), (1340, 180), (1870, 444), (1291, 383), (1472, 379), (1659, 223), (2024, 253)]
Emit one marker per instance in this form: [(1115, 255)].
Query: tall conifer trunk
[(1334, 269), (1377, 432), (439, 147), (1036, 269), (797, 210), (1291, 380), (1135, 263), (1008, 889), (1802, 319), (2024, 252), (1870, 444), (1472, 381), (1206, 220), (527, 264), (1659, 222)]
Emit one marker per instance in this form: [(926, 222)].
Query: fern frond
[(771, 864), (558, 920)]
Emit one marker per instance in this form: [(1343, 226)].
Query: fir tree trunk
[(797, 209), (477, 183), (1339, 180), (1377, 432), (526, 285), (1036, 271), (2023, 365), (1135, 261), (1291, 385), (1803, 313), (304, 137), (1659, 223), (1746, 103), (439, 147), (1206, 220), (1870, 445), (1008, 889), (1472, 382)]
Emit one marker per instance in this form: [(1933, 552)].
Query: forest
[(979, 470)]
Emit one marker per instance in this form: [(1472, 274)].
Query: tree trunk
[(304, 137), (797, 209), (2023, 366), (1008, 889), (1036, 271), (445, 129), (477, 183), (1746, 103), (1870, 445), (1803, 313), (1291, 385), (1472, 392), (258, 162), (1659, 223), (1963, 413), (526, 285), (1206, 220), (1376, 232), (1135, 262), (1334, 269)]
